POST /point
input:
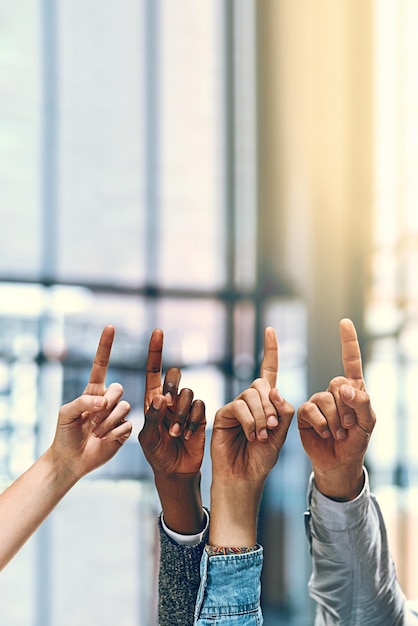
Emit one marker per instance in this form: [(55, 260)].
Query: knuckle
[(366, 399), (288, 410), (186, 394), (117, 388), (304, 409), (172, 376), (248, 394), (239, 404), (259, 383), (321, 397), (337, 381)]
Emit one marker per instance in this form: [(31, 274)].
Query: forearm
[(26, 503), (234, 512), (181, 502), (230, 582), (353, 578)]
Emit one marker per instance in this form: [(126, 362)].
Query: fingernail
[(348, 392), (326, 433), (169, 398), (263, 434), (341, 433), (272, 421), (251, 436), (188, 434), (157, 403), (348, 420), (99, 402), (175, 429)]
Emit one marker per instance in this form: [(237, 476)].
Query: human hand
[(173, 440), (247, 437), (249, 432), (335, 425), (92, 428)]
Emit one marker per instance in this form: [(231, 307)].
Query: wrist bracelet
[(220, 550)]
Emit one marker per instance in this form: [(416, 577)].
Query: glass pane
[(382, 366), (120, 550), (288, 317), (386, 218), (412, 432), (20, 129), (194, 331), (101, 212), (244, 346), (18, 604), (192, 242), (245, 148)]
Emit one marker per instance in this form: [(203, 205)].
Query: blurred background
[(209, 168)]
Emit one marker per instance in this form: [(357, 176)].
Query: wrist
[(181, 502), (59, 471), (341, 484), (223, 551)]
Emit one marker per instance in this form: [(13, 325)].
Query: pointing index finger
[(101, 360), (351, 355), (270, 363), (154, 361)]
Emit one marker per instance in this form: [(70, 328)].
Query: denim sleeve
[(353, 577), (229, 592)]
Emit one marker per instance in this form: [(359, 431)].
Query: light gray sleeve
[(353, 577)]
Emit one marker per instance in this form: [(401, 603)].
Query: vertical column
[(315, 161), (152, 145), (146, 607), (314, 171), (49, 212), (49, 146), (228, 92)]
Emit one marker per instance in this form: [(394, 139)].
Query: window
[(128, 194), (391, 312)]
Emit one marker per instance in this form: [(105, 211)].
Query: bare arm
[(79, 447), (173, 439)]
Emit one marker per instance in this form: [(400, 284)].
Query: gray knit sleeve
[(178, 581)]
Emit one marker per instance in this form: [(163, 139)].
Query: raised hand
[(173, 436), (80, 446), (249, 432), (335, 425), (93, 427), (247, 437), (173, 440)]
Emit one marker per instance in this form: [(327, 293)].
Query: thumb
[(83, 406), (359, 401), (150, 432)]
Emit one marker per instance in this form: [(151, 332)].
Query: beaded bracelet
[(219, 550)]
